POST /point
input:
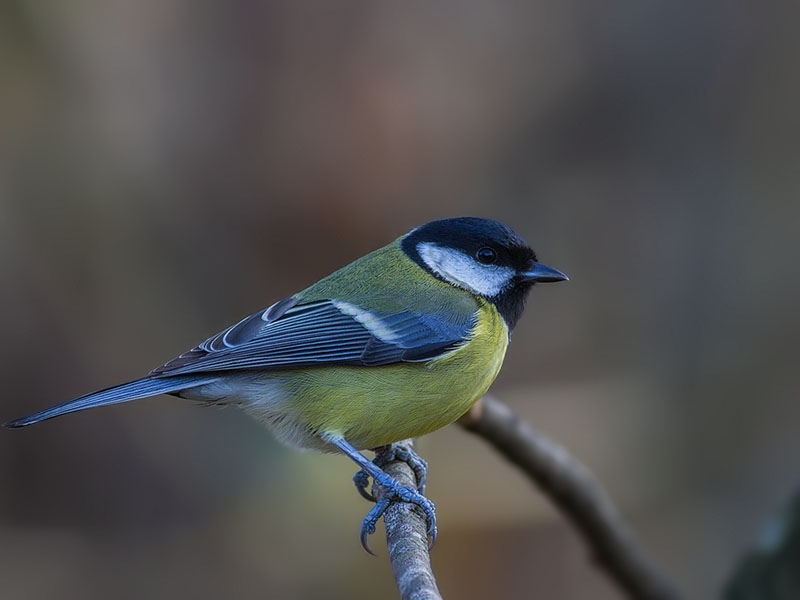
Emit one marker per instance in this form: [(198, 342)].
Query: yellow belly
[(375, 406)]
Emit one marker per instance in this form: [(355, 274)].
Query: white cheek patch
[(464, 271)]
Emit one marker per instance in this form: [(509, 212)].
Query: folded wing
[(330, 332)]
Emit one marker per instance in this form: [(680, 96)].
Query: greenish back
[(386, 280)]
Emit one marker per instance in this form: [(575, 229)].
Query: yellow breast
[(375, 406)]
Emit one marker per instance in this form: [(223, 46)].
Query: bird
[(395, 345)]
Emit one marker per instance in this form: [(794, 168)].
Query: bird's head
[(483, 257)]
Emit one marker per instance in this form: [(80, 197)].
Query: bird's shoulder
[(378, 310), (387, 280)]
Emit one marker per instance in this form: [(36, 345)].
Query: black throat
[(511, 302)]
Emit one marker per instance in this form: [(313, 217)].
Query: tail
[(133, 390)]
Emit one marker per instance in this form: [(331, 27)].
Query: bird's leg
[(392, 491), (386, 454)]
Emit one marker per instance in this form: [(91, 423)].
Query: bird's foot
[(361, 481), (385, 455), (392, 490)]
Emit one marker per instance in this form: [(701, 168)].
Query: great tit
[(398, 343)]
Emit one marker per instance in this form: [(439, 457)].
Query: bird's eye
[(486, 255)]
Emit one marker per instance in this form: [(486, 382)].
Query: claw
[(393, 490), (371, 520), (365, 540), (432, 533), (361, 481)]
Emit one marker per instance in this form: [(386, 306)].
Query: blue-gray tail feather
[(133, 390)]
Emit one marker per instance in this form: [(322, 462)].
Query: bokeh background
[(169, 166)]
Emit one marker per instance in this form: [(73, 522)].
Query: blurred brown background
[(167, 167)]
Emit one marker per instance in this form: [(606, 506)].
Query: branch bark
[(576, 493), (407, 540)]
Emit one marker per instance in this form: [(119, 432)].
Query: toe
[(361, 481)]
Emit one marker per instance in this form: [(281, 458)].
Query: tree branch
[(576, 493), (407, 539)]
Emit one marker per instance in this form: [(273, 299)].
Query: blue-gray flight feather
[(328, 332), (134, 390), (290, 335)]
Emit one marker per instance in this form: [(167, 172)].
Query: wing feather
[(329, 332)]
